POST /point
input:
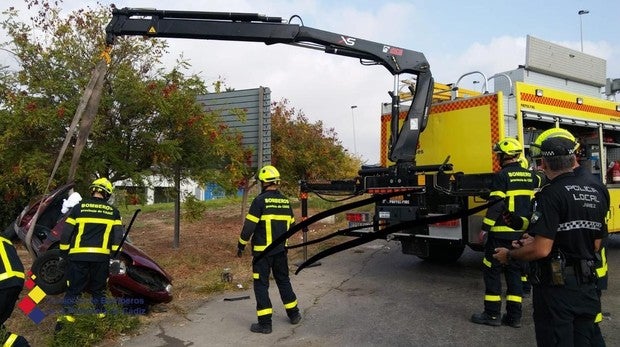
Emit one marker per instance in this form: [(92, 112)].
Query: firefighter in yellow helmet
[(515, 186), (270, 216), (587, 177), (11, 284), (563, 236), (93, 231)]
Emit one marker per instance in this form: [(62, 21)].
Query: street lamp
[(353, 124), (581, 13)]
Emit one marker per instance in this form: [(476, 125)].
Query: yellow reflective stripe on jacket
[(502, 229), (267, 218), (252, 218), (82, 222), (242, 241), (526, 223), (4, 257), (9, 342), (486, 262), (498, 193), (10, 274), (598, 318), (511, 194), (488, 221)]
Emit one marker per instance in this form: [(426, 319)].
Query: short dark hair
[(560, 162)]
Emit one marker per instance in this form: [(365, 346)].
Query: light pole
[(353, 124), (581, 13)]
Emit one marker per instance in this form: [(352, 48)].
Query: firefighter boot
[(295, 319), (262, 328), (511, 322), (485, 318)]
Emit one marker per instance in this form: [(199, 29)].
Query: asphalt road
[(372, 295)]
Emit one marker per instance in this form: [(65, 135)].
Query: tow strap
[(321, 215), (391, 229)]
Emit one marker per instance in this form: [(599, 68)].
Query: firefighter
[(515, 185), (93, 230), (584, 174), (270, 216), (564, 235), (11, 284)]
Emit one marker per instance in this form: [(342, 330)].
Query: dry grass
[(205, 249)]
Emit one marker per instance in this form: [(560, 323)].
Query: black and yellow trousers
[(492, 271), (278, 264)]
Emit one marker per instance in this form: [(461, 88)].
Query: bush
[(89, 330), (193, 209)]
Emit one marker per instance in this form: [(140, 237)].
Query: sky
[(456, 37)]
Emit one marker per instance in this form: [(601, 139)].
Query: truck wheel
[(443, 255), (49, 277)]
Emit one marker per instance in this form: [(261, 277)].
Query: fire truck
[(436, 139), (557, 87)]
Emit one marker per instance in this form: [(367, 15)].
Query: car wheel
[(49, 276), (9, 232)]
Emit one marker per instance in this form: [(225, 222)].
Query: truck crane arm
[(254, 27)]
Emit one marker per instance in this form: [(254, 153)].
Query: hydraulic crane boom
[(270, 30)]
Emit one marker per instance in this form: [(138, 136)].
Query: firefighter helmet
[(509, 147), (269, 174), (103, 186), (535, 151), (524, 163)]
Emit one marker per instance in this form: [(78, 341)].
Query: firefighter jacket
[(269, 217), (11, 267), (92, 231), (515, 185)]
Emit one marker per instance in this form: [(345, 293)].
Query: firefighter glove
[(513, 220), (240, 249), (62, 263), (115, 267)]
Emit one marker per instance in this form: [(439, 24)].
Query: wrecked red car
[(138, 278)]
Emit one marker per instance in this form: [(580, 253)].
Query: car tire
[(49, 277), (9, 232)]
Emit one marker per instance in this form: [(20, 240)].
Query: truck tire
[(49, 277), (443, 255)]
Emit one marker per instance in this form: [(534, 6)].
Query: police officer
[(565, 232), (515, 185), (270, 216), (588, 177), (93, 230), (11, 284)]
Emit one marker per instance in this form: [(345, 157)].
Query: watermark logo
[(28, 304)]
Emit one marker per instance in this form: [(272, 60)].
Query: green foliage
[(148, 121), (193, 209), (305, 150), (89, 330)]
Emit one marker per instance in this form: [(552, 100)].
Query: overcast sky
[(456, 37)]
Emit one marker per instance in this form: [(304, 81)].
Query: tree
[(148, 120), (305, 150)]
